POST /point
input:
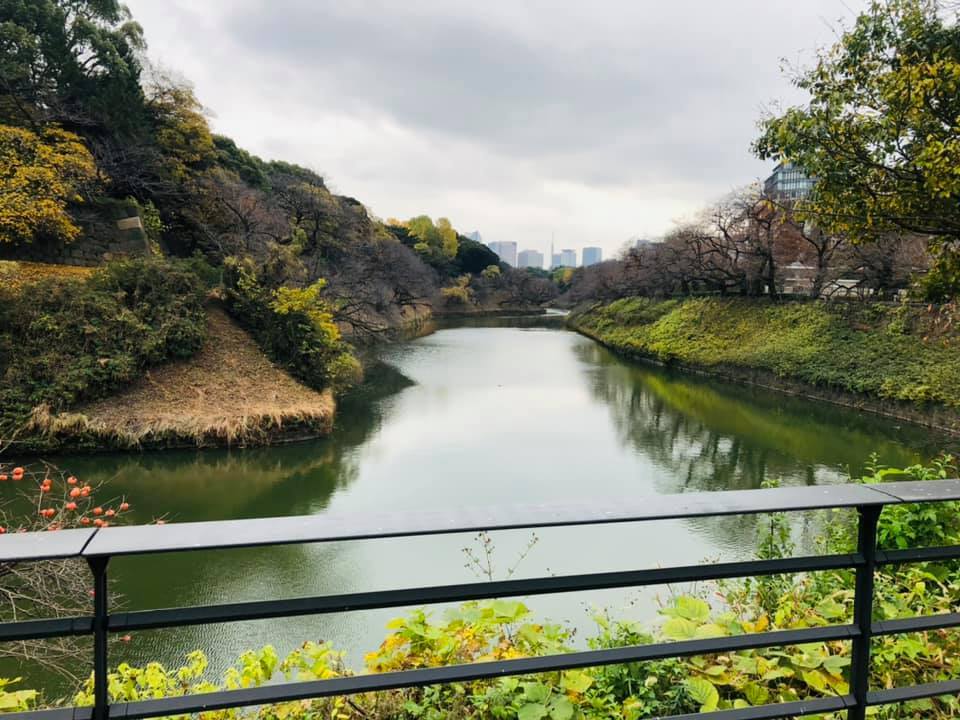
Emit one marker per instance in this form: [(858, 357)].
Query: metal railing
[(98, 546)]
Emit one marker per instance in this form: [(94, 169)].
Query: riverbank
[(228, 394), (901, 362)]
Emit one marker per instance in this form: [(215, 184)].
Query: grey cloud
[(609, 111), (496, 103)]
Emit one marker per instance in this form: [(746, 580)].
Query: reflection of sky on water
[(480, 416)]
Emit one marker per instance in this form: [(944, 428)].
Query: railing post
[(863, 608), (98, 566)]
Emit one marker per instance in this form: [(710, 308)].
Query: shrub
[(294, 326), (65, 341)]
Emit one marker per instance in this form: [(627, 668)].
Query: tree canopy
[(881, 131), (75, 63), (40, 174)]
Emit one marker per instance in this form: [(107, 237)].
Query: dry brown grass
[(15, 273), (228, 394)]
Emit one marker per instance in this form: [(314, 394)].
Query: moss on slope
[(901, 353)]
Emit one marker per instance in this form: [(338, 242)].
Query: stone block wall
[(110, 229)]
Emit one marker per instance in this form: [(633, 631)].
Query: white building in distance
[(568, 258), (530, 259), (507, 251), (592, 255)]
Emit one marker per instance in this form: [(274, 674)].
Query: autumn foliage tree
[(40, 175)]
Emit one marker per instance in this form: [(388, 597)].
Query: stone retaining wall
[(110, 229)]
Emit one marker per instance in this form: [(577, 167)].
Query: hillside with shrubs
[(107, 160)]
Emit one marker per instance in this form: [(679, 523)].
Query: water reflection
[(492, 413), (711, 435)]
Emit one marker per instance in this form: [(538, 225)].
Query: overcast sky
[(596, 121)]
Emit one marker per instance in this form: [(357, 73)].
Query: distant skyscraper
[(507, 251), (592, 255), (554, 261), (475, 236), (530, 259), (568, 258)]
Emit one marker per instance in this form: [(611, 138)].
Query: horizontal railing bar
[(919, 623), (813, 706), (44, 545), (760, 712), (259, 610), (915, 555), (144, 539), (269, 694), (914, 692), (42, 629), (258, 532), (65, 713)]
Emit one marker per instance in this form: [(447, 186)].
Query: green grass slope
[(901, 353)]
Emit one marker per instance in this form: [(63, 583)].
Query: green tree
[(181, 132), (881, 130), (448, 238), (422, 228), (74, 62), (40, 174)]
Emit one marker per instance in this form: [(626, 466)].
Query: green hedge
[(63, 342), (907, 353)]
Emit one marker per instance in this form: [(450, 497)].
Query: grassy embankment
[(902, 361), (135, 355)]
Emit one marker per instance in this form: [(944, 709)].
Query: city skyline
[(509, 252)]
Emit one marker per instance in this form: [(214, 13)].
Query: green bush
[(64, 342), (293, 326)]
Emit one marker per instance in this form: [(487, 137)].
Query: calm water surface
[(479, 416)]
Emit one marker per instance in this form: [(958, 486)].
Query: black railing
[(97, 547)]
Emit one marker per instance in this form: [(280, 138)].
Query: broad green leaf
[(710, 630), (817, 680), (703, 692), (561, 708), (509, 610), (835, 664), (692, 608), (831, 609), (756, 694), (532, 711), (576, 681), (536, 692), (679, 628)]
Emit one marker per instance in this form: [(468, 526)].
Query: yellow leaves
[(307, 300), (39, 175)]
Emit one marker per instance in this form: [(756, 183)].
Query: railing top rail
[(179, 537), (44, 545)]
